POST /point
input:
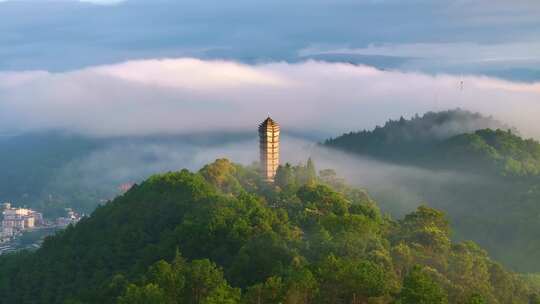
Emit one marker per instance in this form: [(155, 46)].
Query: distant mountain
[(491, 197), (223, 235), (412, 139), (420, 142), (29, 162)]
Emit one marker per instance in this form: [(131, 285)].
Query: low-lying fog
[(103, 170)]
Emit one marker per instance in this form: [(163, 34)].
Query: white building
[(17, 220), (72, 217)]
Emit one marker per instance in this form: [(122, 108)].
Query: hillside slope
[(224, 236), (410, 140), (495, 172)]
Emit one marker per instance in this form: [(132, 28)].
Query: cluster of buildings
[(71, 217), (15, 221)]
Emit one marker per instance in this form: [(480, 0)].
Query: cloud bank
[(187, 95)]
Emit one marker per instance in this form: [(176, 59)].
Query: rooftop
[(268, 123)]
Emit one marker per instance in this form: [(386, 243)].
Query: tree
[(147, 294), (301, 286), (534, 299), (476, 299), (285, 177), (419, 288), (205, 285), (221, 174), (351, 281), (469, 268), (311, 173), (402, 258), (427, 230), (198, 282), (170, 277), (323, 199), (298, 287), (269, 292)]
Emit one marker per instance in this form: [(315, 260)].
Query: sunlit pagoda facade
[(269, 148)]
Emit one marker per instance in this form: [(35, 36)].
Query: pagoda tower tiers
[(269, 148)]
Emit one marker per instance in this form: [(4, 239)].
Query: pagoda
[(269, 148)]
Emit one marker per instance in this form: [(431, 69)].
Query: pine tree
[(311, 172)]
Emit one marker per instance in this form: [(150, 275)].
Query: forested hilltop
[(456, 140), (223, 235), (494, 196)]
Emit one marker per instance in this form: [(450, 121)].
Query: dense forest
[(223, 235), (497, 174)]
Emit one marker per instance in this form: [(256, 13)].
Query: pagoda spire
[(269, 148)]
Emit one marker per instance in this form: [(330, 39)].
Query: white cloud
[(188, 95), (200, 74)]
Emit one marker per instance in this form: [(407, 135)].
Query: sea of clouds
[(186, 95)]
